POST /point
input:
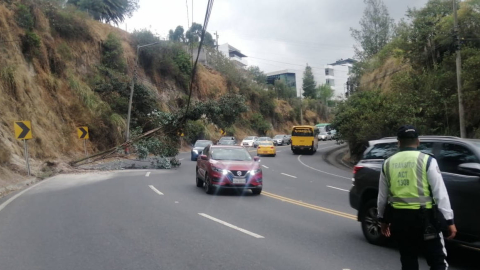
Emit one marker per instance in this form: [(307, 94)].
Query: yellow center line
[(311, 206)]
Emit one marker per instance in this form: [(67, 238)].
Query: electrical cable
[(194, 69)]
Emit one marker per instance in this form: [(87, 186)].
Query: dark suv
[(459, 162)]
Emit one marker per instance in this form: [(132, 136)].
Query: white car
[(324, 136), (248, 141)]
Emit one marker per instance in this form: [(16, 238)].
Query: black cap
[(407, 131)]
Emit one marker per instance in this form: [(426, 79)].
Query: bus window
[(302, 132)]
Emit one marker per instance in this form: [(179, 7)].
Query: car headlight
[(253, 172), (222, 171)]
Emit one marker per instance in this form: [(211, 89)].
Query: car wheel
[(256, 191), (198, 181), (370, 224), (274, 155), (207, 185)]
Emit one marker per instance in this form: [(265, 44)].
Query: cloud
[(271, 31)]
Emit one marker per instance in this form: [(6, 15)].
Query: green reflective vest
[(406, 175)]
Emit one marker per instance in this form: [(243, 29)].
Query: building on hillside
[(233, 54), (336, 75), (289, 77)]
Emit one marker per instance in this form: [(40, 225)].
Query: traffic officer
[(411, 188)]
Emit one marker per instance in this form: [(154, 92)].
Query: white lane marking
[(265, 166), (288, 175), (7, 202), (231, 225), (338, 188), (176, 201), (156, 190), (181, 159), (148, 174), (321, 170)]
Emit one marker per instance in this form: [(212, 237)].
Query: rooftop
[(285, 71), (343, 62)]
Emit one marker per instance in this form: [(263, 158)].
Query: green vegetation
[(31, 42), (68, 23), (115, 11), (259, 124), (309, 83), (112, 56), (420, 85), (23, 17)]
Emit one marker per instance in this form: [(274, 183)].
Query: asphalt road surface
[(153, 219)]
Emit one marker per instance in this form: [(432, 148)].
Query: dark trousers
[(408, 231)]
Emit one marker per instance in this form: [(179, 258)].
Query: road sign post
[(23, 131), (25, 149), (83, 134)]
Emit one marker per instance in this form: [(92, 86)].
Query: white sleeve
[(439, 190), (382, 194)]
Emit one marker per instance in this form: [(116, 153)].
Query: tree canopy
[(115, 11), (309, 83), (376, 29)]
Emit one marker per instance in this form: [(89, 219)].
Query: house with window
[(233, 54), (336, 76)]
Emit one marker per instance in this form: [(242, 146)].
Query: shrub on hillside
[(168, 59), (259, 124), (68, 23), (112, 53), (24, 17), (31, 43)]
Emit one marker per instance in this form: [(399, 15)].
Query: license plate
[(239, 181)]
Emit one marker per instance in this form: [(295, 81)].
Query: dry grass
[(381, 77)]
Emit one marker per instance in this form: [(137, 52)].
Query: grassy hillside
[(61, 69)]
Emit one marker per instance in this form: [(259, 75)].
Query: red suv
[(229, 167)]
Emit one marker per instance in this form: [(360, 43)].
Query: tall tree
[(115, 11), (176, 35), (257, 75), (324, 93), (309, 83), (194, 34), (376, 29)]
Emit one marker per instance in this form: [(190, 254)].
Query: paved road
[(160, 220)]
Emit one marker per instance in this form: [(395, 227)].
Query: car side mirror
[(203, 157), (256, 159), (470, 168)]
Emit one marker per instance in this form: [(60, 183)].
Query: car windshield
[(323, 133), (264, 139), (278, 137), (477, 144), (239, 154), (226, 142), (226, 138), (202, 144), (249, 138)]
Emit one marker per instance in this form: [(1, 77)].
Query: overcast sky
[(274, 34)]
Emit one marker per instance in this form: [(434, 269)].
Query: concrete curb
[(335, 155)]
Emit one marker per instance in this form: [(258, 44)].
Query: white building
[(233, 54), (336, 75)]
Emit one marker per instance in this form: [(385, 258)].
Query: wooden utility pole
[(461, 112)]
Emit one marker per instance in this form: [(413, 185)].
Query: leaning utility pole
[(461, 112)]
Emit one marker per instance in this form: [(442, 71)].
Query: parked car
[(261, 139), (227, 142), (227, 138), (289, 139), (248, 141), (459, 163), (266, 148), (324, 136), (198, 147), (280, 140), (228, 167)]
